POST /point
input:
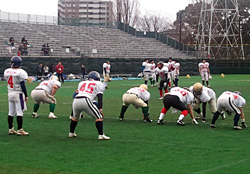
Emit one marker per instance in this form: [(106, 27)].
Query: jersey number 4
[(10, 82), (89, 88)]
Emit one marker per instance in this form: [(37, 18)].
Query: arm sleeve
[(99, 97), (24, 88)]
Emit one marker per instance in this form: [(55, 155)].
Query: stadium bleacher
[(86, 41)]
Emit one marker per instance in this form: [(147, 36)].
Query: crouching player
[(231, 102), (181, 99), (17, 94), (88, 91), (137, 96), (162, 72), (45, 93)]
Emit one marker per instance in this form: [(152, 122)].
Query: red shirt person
[(59, 70)]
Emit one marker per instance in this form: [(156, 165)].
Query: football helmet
[(237, 92), (197, 88), (16, 62), (94, 75), (160, 64), (143, 86), (53, 77)]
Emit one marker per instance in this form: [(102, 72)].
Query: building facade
[(85, 12)]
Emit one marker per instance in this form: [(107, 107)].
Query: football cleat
[(180, 122), (199, 116), (35, 115), (203, 120), (21, 132), (52, 116), (237, 127), (103, 137), (147, 120), (160, 98), (223, 116), (72, 135), (194, 121), (120, 118), (244, 124), (212, 126), (71, 117), (12, 131), (160, 122)]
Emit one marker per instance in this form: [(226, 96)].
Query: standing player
[(146, 70), (231, 102), (176, 72), (171, 69), (181, 99), (45, 93), (106, 71), (162, 72), (152, 73), (204, 71), (17, 94), (137, 96), (88, 91)]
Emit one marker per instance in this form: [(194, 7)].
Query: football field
[(135, 147)]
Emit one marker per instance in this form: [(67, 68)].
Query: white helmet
[(143, 86), (53, 78)]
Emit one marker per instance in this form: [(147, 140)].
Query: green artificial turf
[(134, 147)]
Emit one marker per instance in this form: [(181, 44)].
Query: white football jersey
[(203, 66), (14, 77), (107, 66), (47, 85), (185, 96), (162, 72), (238, 100), (206, 95), (140, 92), (152, 67), (147, 66), (171, 66), (90, 89), (177, 66)]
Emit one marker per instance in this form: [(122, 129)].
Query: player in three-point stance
[(45, 93), (204, 71), (138, 97), (106, 71), (162, 72), (231, 102), (180, 99), (88, 91), (17, 94)]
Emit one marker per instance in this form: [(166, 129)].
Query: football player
[(152, 73), (88, 91), (17, 94), (176, 72), (180, 99), (45, 93), (162, 72), (106, 71), (204, 95), (231, 102), (204, 71), (138, 97), (146, 70), (171, 69)]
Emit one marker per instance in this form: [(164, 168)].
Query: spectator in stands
[(24, 40), (11, 41), (23, 49), (39, 71), (51, 68), (45, 49), (83, 71), (46, 70), (59, 70)]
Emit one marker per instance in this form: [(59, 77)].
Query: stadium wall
[(125, 66)]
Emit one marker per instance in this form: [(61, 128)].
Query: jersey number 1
[(10, 81)]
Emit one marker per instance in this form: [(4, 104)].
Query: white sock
[(243, 120), (161, 116), (181, 117)]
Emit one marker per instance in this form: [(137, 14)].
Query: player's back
[(185, 96), (13, 77), (140, 92), (90, 89), (47, 85)]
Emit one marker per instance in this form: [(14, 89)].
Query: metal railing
[(28, 18)]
